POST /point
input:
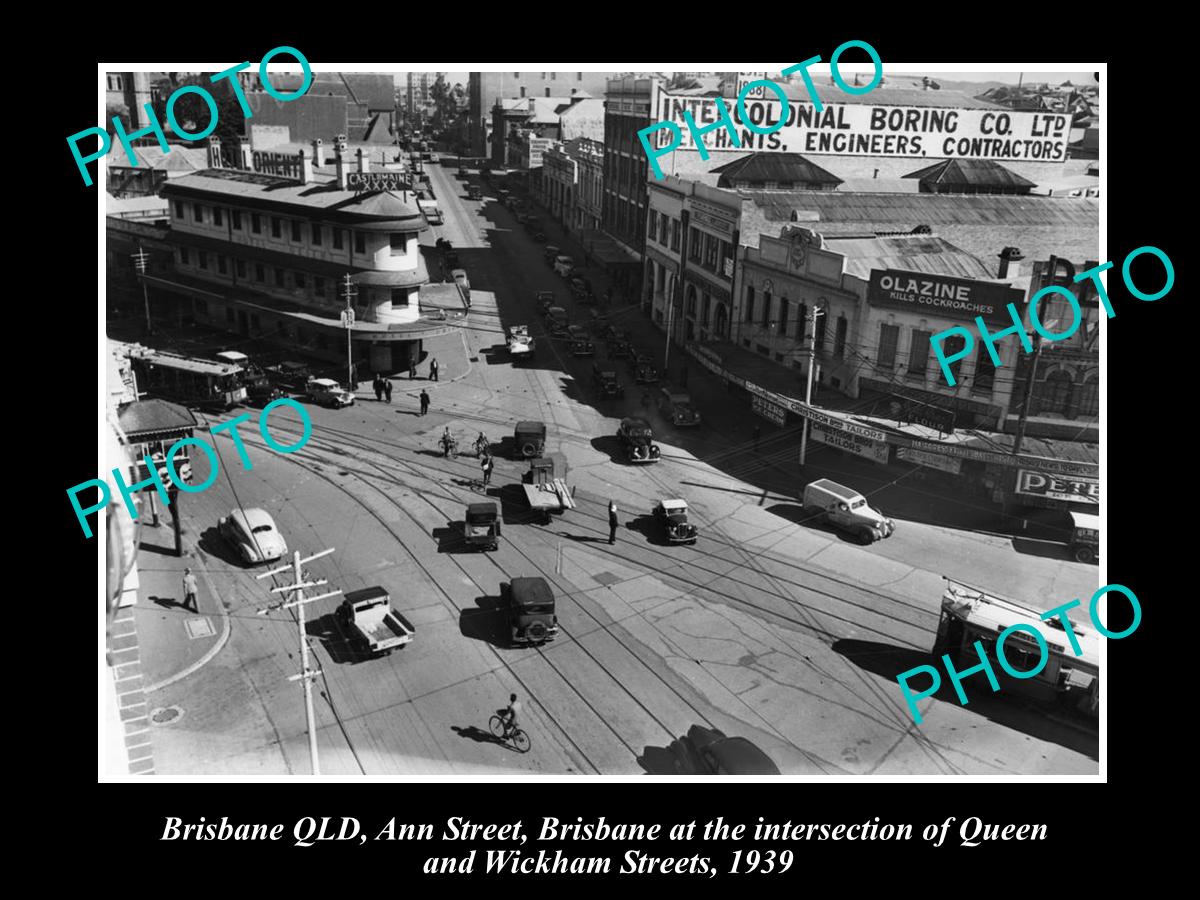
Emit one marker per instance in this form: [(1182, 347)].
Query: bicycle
[(518, 738)]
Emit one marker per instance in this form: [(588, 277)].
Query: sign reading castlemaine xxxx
[(942, 295), (863, 129)]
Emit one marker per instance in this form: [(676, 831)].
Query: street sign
[(347, 318)]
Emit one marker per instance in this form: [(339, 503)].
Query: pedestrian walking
[(378, 385), (189, 591), (487, 465), (387, 390), (412, 369), (424, 402), (757, 432), (433, 369), (612, 522)]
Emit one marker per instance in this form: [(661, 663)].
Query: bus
[(970, 614), (196, 382)]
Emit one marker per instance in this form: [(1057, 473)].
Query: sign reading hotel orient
[(942, 295)]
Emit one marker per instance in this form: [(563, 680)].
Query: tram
[(197, 382)]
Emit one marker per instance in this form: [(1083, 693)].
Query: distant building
[(572, 178), (132, 90), (485, 89), (417, 91), (360, 105)]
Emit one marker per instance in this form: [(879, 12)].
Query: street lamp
[(817, 311), (140, 259), (349, 291)]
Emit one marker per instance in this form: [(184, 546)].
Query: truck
[(847, 509), (546, 492), (372, 621), (520, 344), (433, 214), (530, 603)]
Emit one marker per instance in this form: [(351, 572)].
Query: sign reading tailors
[(864, 129), (1053, 487), (852, 443), (942, 295), (768, 410)]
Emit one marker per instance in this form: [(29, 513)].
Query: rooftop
[(778, 168), (970, 172), (148, 417)]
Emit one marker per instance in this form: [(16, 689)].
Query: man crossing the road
[(424, 403), (612, 522)]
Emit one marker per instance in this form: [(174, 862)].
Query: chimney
[(1008, 263), (306, 169), (339, 156), (316, 145), (214, 152), (364, 162)]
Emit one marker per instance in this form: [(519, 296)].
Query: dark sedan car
[(707, 751)]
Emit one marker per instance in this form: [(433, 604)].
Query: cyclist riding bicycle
[(509, 715)]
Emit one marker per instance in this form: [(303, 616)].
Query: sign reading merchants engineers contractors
[(942, 295), (864, 129)]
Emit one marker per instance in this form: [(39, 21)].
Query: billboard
[(1077, 489), (943, 295), (865, 129), (851, 443)]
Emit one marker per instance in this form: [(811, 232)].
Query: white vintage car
[(253, 534), (328, 392)]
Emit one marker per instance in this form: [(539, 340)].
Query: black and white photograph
[(624, 422)]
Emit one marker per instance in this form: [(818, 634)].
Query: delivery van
[(846, 509)]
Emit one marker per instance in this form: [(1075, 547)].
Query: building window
[(254, 322), (517, 75), (316, 235), (337, 239), (229, 315), (553, 76), (183, 256), (217, 216), (299, 279), (179, 209), (676, 230), (200, 306), (953, 347), (279, 280), (704, 307), (652, 233), (236, 215), (763, 349), (255, 223), (360, 242), (399, 244), (276, 227), (199, 212), (694, 244), (1054, 394), (985, 372), (819, 334), (296, 230), (783, 315), (801, 321), (766, 315), (239, 266), (522, 90), (203, 257), (749, 303), (918, 356), (889, 335), (399, 297), (710, 252), (1089, 397), (319, 286), (579, 76), (260, 273), (221, 266), (839, 338)]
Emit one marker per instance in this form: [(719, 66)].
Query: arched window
[(1055, 391), (704, 305), (1089, 397), (801, 321), (784, 303)]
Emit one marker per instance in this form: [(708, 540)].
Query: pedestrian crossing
[(125, 662)]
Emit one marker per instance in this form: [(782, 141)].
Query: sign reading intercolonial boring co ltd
[(1076, 490), (942, 295), (863, 129)]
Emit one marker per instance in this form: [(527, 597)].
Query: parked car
[(620, 348), (846, 509), (544, 300), (563, 265), (643, 369), (672, 517), (637, 440), (540, 237), (253, 534), (521, 218), (606, 383), (459, 277), (580, 287), (677, 407), (474, 193), (529, 440), (373, 623), (290, 375), (557, 322), (532, 224), (481, 526), (707, 751), (550, 252), (530, 605), (328, 392), (580, 345), (1084, 545)]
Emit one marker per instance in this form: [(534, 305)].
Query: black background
[(1148, 491)]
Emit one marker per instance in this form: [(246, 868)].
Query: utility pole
[(349, 291), (1037, 351), (140, 259), (306, 675), (670, 319), (812, 362)]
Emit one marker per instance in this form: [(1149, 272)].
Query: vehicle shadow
[(1030, 547), (216, 546), (496, 355), (798, 515), (341, 648), (487, 623), (514, 507), (647, 528), (610, 444), (657, 761), (450, 539), (1064, 727)]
